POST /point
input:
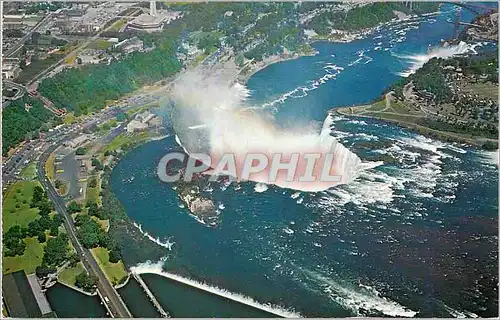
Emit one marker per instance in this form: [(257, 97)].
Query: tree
[(240, 59), (115, 255), (45, 222), (86, 282), (38, 196), (54, 231), (73, 259), (43, 271), (58, 183), (88, 231), (34, 228), (93, 183), (13, 241), (42, 237), (45, 207), (57, 220), (56, 251), (73, 207), (80, 151)]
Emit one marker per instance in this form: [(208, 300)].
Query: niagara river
[(413, 237)]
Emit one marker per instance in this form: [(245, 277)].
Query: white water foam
[(168, 244), (418, 60), (489, 157), (156, 268), (260, 187), (232, 130), (331, 70), (360, 297)]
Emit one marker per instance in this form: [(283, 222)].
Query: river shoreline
[(245, 72), (425, 131)]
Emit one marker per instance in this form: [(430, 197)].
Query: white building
[(135, 126), (130, 45), (76, 142), (10, 70)]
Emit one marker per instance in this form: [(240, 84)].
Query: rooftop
[(20, 301)]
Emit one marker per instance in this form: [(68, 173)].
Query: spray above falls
[(210, 116), (446, 51)]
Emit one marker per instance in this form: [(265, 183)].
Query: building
[(23, 296), (10, 70), (76, 142), (143, 121), (144, 117), (136, 126), (130, 45), (153, 21)]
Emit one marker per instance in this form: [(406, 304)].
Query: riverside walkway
[(151, 296)]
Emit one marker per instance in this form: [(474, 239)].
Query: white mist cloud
[(211, 116)]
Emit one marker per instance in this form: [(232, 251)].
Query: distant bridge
[(477, 9)]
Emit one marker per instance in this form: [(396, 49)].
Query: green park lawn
[(92, 194), (114, 271), (29, 172), (125, 138), (68, 275), (28, 262), (16, 205)]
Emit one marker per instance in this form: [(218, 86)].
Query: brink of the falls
[(211, 117)]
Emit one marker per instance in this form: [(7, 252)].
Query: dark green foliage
[(88, 231), (97, 164), (45, 207), (490, 146), (56, 251), (42, 237), (35, 7), (88, 88), (86, 282), (80, 151), (54, 231), (104, 240), (73, 207), (73, 260), (120, 117), (17, 122), (58, 183), (363, 17), (13, 241), (34, 228), (115, 255), (489, 131), (43, 271), (45, 222), (38, 196), (57, 220)]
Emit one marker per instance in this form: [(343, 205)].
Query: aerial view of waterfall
[(253, 159), (413, 232)]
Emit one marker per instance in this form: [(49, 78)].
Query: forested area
[(257, 29), (363, 17), (19, 124), (90, 232), (87, 89), (483, 64), (430, 78)]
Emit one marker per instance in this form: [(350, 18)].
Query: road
[(115, 304), (20, 43), (72, 53), (21, 90)]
